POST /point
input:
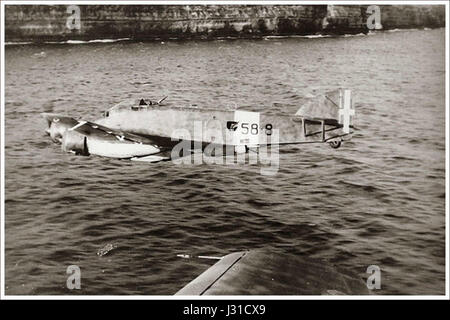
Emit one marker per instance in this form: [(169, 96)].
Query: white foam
[(311, 36), (354, 35), (314, 36), (402, 30), (17, 43), (94, 41), (71, 41)]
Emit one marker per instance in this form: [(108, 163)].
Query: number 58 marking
[(254, 130)]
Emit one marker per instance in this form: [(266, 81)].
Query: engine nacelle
[(73, 141)]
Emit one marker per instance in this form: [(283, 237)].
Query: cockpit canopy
[(133, 104)]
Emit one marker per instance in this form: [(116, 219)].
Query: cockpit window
[(134, 104)]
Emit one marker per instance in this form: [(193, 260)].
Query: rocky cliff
[(39, 23)]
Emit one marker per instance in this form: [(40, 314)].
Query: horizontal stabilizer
[(321, 107), (333, 107)]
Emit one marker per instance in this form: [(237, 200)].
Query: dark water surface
[(379, 199)]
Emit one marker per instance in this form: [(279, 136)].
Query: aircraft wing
[(263, 272), (93, 129), (85, 137)]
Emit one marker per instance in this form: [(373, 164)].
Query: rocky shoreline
[(47, 23)]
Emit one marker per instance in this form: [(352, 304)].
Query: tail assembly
[(334, 107), (334, 113)]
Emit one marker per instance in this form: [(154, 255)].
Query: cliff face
[(146, 22), (345, 19), (422, 16)]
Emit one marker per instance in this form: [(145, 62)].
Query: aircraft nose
[(57, 125)]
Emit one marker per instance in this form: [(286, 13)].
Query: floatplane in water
[(151, 131)]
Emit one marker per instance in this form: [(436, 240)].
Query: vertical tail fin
[(346, 110)]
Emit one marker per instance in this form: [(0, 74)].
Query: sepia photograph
[(224, 149)]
